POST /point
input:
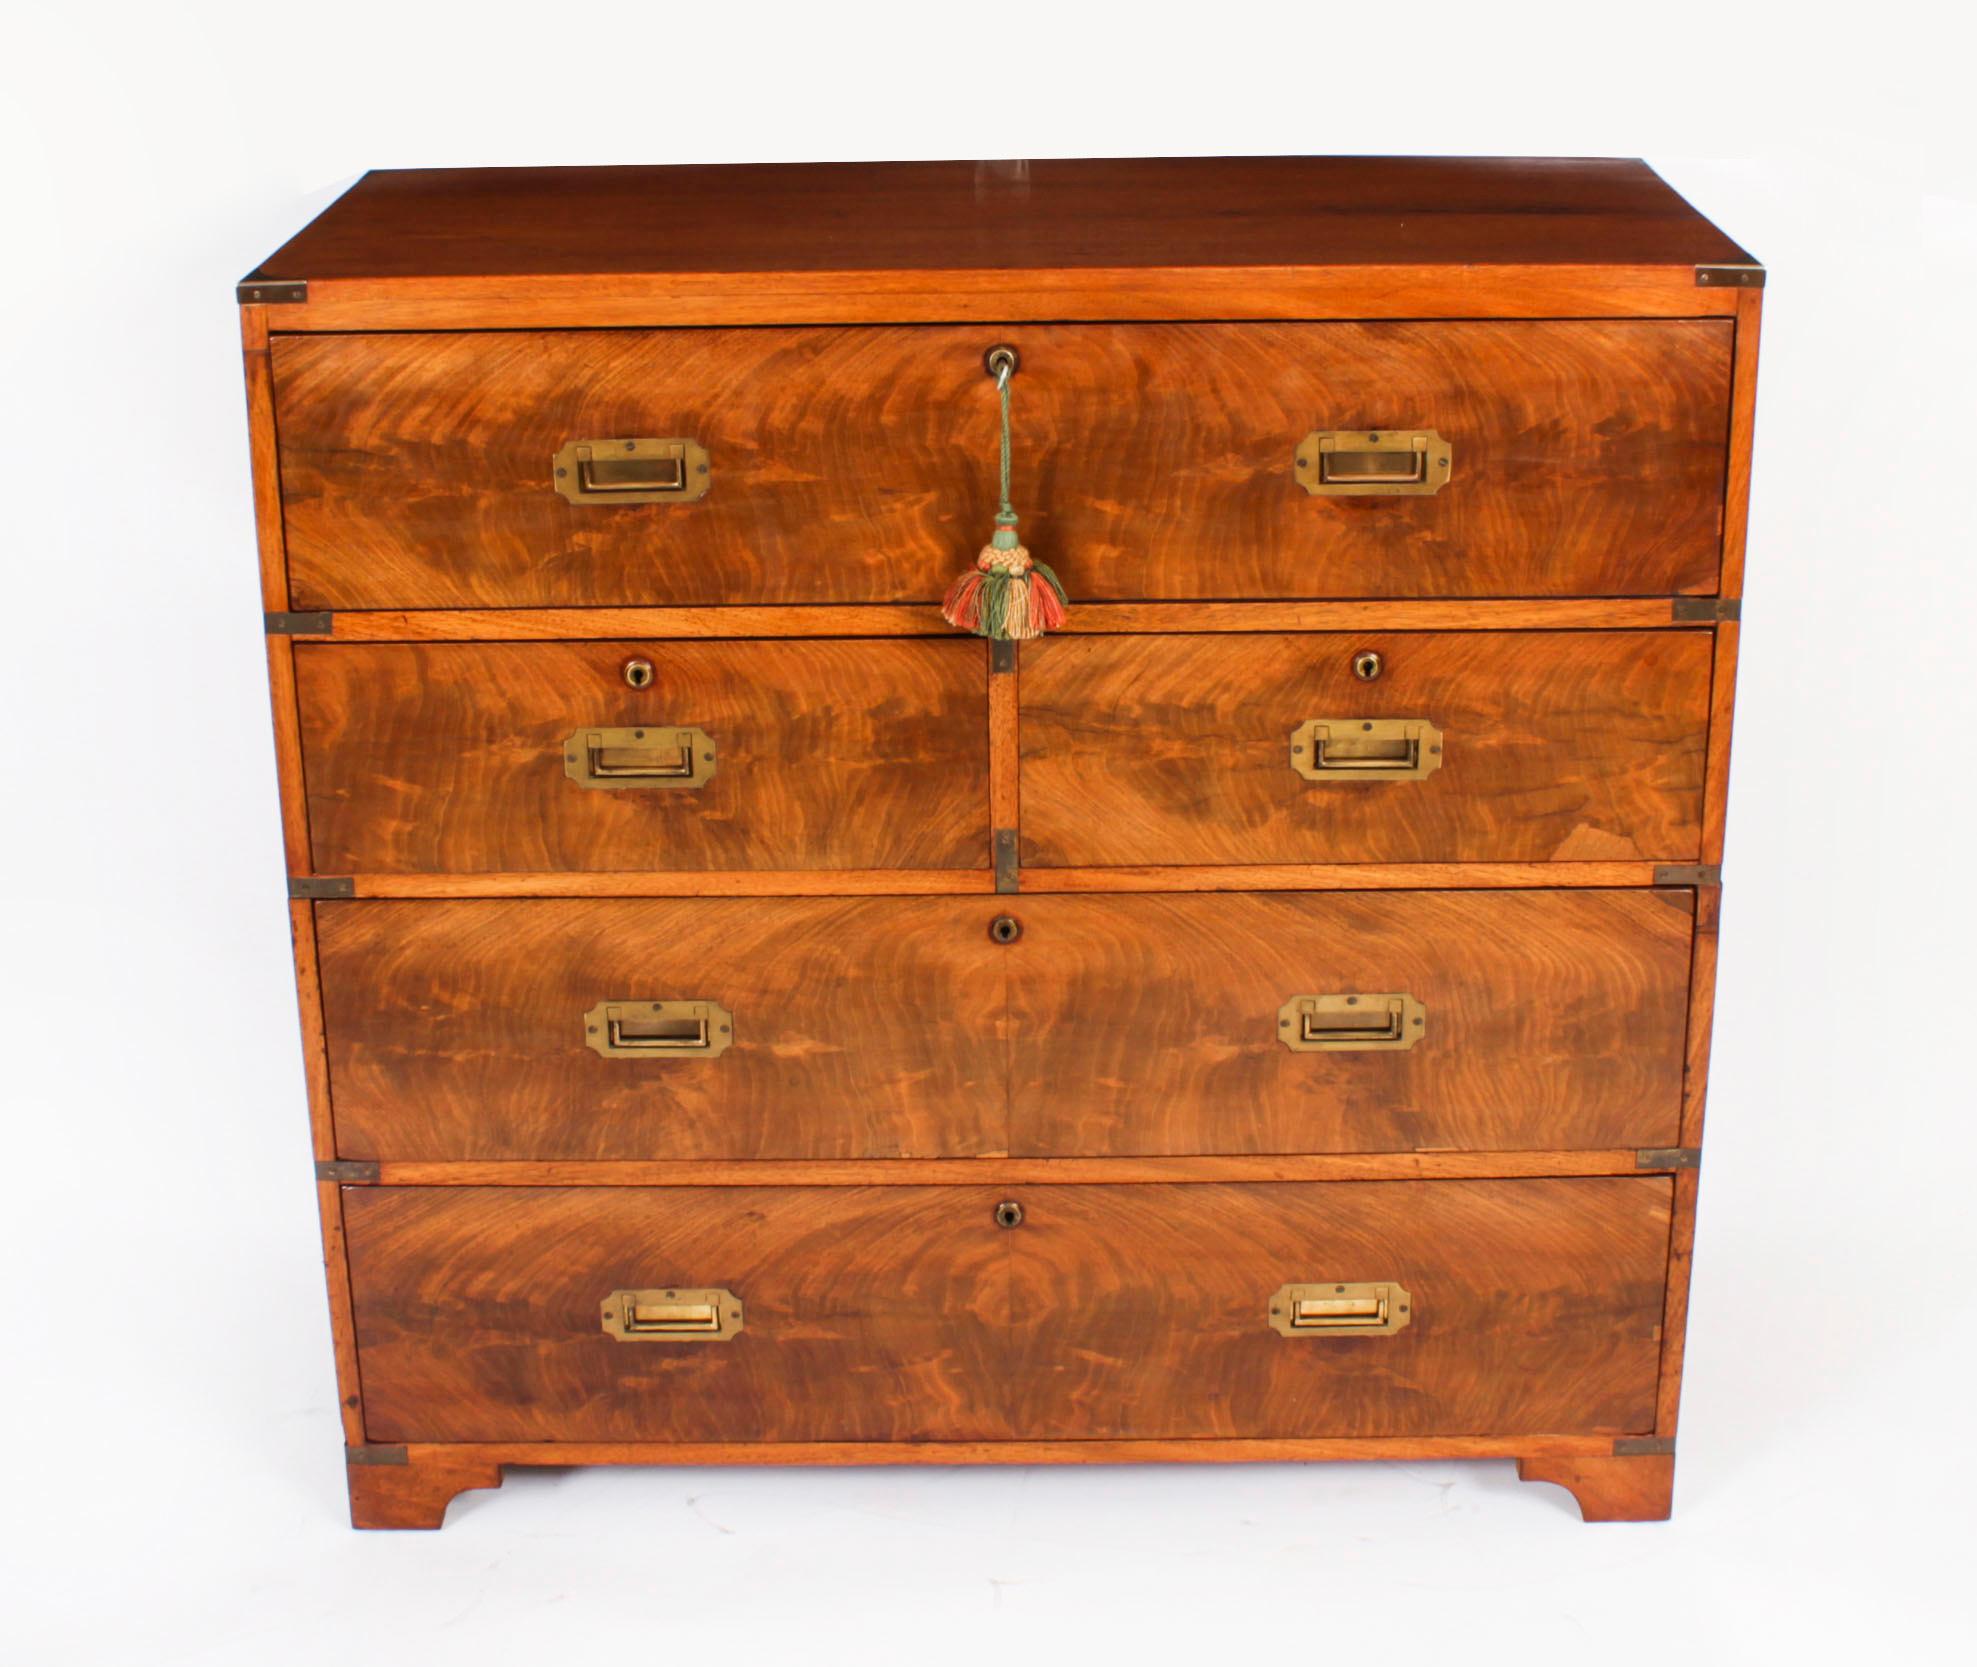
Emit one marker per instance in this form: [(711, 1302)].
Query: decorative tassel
[(1008, 596)]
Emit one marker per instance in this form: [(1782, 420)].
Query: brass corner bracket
[(1730, 277), (314, 888), (257, 291), (1689, 874), (298, 625), (1008, 873), (1693, 610)]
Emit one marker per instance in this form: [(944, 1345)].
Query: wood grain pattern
[(1675, 1310), (1009, 1172), (1149, 1025), (415, 1494), (1020, 217), (289, 786), (1743, 435), (875, 619), (1140, 1311), (840, 754), (907, 1314), (1357, 876), (1109, 294), (1716, 774), (1560, 746), (1702, 1010), (853, 465), (1121, 1026), (871, 1314), (264, 458), (1266, 1450), (1637, 1488), (956, 882), (749, 882), (1005, 762), (867, 1028)]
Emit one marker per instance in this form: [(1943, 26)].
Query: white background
[(171, 1467)]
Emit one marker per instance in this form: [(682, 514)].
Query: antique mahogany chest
[(748, 1020)]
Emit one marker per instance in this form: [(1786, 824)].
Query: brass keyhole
[(1367, 665), (1000, 356), (638, 673), (1009, 1213), (1005, 929)]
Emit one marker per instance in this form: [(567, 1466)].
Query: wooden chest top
[(1254, 237)]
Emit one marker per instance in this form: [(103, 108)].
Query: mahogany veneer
[(990, 1127)]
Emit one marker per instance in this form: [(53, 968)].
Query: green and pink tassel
[(1009, 596)]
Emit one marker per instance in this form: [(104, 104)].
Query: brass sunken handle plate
[(1350, 1023), (1366, 749), (1376, 1310), (656, 755), (659, 1029), (1373, 463), (633, 471), (675, 1314)]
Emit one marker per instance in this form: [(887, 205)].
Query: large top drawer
[(1585, 458)]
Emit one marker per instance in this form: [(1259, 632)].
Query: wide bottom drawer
[(905, 1313)]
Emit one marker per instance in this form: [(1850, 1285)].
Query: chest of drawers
[(747, 1020)]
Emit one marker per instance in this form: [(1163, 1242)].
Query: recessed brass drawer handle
[(633, 471), (659, 1029), (1373, 463), (1376, 1310), (654, 756), (1366, 749), (675, 1315), (1348, 1023)]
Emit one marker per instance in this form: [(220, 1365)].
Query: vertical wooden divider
[(1005, 771)]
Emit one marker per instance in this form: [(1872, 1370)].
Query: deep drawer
[(854, 1028), (1478, 746), (538, 757), (1586, 457), (908, 1313), (1114, 1026)]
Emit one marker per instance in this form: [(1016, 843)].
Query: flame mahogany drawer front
[(1550, 746), (747, 1019), (889, 1027), (844, 465), (908, 1313), (469, 757)]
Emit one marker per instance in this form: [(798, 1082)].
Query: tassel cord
[(1007, 517)]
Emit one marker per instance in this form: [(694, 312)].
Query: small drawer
[(1390, 1021), (566, 1028), (942, 1313), (1472, 746), (613, 756), (583, 467)]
